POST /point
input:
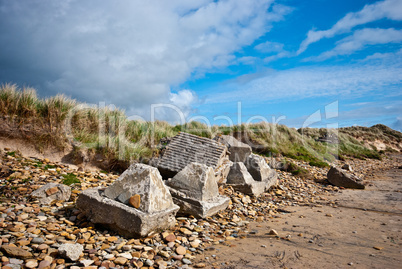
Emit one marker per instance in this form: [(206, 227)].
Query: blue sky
[(223, 62)]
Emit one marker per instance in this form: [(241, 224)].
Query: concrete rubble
[(241, 180), (252, 177), (239, 151), (341, 178), (259, 169), (186, 148), (137, 203), (195, 190), (51, 193)]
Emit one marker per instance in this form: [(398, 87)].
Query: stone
[(16, 252), (186, 148), (259, 169), (44, 264), (272, 232), (241, 180), (110, 207), (222, 170), (181, 250), (239, 151), (196, 191), (5, 171), (71, 251), (347, 167), (120, 260), (135, 201), (340, 178), (63, 193), (143, 180), (170, 238), (31, 264)]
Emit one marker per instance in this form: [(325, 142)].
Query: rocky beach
[(299, 223)]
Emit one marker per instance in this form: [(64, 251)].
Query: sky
[(316, 63)]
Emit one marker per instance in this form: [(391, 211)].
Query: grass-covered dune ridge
[(60, 121)]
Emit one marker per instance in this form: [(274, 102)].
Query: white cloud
[(129, 53), (389, 9), (360, 39), (306, 82), (397, 124), (269, 47)]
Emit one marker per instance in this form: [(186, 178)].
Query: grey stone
[(239, 151), (347, 167), (186, 148), (222, 171), (145, 181), (16, 261), (340, 178), (14, 266), (71, 251), (195, 190), (156, 211), (37, 240), (241, 180), (258, 167), (63, 193)]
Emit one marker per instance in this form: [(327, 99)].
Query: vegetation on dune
[(59, 121)]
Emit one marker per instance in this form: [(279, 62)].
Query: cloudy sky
[(224, 61)]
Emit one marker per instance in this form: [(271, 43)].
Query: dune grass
[(60, 120)]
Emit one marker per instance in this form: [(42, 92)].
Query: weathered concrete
[(195, 190), (241, 180), (52, 192), (145, 181), (126, 220), (222, 171), (110, 207), (239, 151), (186, 148), (341, 178), (258, 168)]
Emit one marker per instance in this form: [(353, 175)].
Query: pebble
[(41, 230), (181, 250)]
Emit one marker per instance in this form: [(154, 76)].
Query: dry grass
[(59, 120)]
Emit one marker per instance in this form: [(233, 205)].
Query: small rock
[(44, 264), (135, 201), (37, 240), (16, 252), (272, 232), (31, 264), (186, 261), (181, 250), (71, 251), (120, 260)]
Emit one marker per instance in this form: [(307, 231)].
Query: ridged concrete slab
[(187, 148)]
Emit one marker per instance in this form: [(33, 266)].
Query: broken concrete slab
[(52, 192), (259, 169), (145, 181), (195, 190), (239, 151), (241, 180), (341, 178), (222, 171), (111, 207), (186, 148)]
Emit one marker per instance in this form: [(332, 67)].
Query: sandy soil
[(363, 230)]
